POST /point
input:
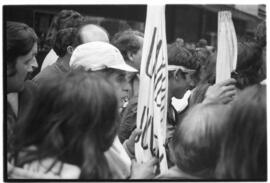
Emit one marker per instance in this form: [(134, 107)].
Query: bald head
[(91, 32)]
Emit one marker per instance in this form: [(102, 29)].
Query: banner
[(227, 47), (152, 102)]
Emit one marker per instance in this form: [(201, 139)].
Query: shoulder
[(27, 96), (46, 74), (30, 86)]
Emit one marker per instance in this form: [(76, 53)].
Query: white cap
[(97, 56)]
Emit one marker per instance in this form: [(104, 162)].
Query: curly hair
[(249, 62), (64, 38), (64, 19), (181, 56), (260, 34), (127, 41)]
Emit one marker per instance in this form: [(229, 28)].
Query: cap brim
[(124, 67)]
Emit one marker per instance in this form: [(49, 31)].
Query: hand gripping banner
[(227, 47), (152, 102)]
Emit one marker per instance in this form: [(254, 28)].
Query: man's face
[(122, 87), (23, 66), (135, 58), (180, 84), (138, 56)]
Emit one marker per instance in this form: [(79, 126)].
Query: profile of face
[(119, 79), (24, 65), (180, 83), (137, 57)]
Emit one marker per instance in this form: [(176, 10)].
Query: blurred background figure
[(64, 19), (243, 153), (66, 40), (249, 64), (196, 143)]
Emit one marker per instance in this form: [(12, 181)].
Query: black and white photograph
[(126, 92)]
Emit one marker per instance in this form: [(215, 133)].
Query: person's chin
[(21, 88)]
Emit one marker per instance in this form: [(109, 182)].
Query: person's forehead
[(119, 72), (31, 53), (140, 39)]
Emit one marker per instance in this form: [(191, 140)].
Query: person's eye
[(121, 77), (27, 62)]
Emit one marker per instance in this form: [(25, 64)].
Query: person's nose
[(33, 64), (192, 83), (127, 87)]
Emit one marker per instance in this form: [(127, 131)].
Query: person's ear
[(130, 56), (177, 75), (70, 50)]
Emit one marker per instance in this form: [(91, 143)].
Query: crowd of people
[(76, 119)]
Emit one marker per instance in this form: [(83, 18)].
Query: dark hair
[(64, 38), (249, 62), (196, 140), (75, 120), (260, 34), (64, 19), (202, 43), (127, 41), (180, 56), (202, 58), (243, 151), (207, 72), (20, 39)]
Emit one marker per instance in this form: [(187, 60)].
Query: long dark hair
[(20, 39), (75, 120), (243, 152)]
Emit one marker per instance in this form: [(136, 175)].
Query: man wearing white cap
[(106, 60)]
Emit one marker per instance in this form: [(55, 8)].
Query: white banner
[(152, 102), (227, 47)]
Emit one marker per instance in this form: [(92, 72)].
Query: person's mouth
[(124, 101)]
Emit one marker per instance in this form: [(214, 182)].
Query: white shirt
[(50, 58)]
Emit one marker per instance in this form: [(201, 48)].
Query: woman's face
[(24, 64)]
